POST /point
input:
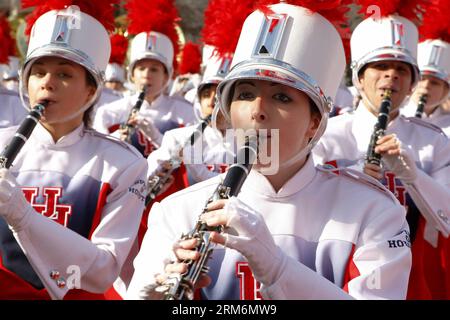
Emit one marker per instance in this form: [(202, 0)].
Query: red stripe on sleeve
[(351, 271), (104, 191)]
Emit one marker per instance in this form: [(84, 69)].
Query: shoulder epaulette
[(121, 143), (359, 177), (425, 124)]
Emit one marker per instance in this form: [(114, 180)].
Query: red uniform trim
[(351, 271)]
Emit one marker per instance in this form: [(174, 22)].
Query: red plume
[(410, 9), (155, 15), (436, 21), (190, 59), (223, 23), (8, 47), (102, 10), (119, 47), (334, 11)]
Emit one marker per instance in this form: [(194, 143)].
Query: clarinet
[(22, 134), (155, 182), (421, 105), (181, 287), (128, 127), (379, 129)]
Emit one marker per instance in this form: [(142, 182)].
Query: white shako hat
[(291, 46), (151, 45), (434, 59), (216, 69), (73, 35), (391, 37)]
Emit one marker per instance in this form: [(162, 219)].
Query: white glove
[(402, 165), (148, 128), (254, 241), (14, 208)]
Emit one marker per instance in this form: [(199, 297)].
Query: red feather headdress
[(102, 10), (223, 23), (119, 47), (155, 15), (8, 47), (436, 21), (190, 59)]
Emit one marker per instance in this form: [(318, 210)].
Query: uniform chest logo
[(145, 143), (399, 191), (51, 207), (249, 288)]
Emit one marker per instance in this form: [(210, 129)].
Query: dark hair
[(205, 87), (90, 82)]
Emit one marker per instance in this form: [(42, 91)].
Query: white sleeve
[(91, 265), (379, 267), (432, 199), (156, 251), (99, 123), (200, 172), (431, 191), (165, 152)]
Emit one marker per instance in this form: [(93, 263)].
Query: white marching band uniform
[(331, 249), (439, 117), (94, 197), (427, 143), (334, 238), (102, 203)]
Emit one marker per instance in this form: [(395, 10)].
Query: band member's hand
[(147, 126), (246, 231), (122, 134), (373, 170), (14, 208), (183, 250), (398, 159)]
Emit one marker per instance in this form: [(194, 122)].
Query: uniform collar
[(44, 137), (259, 184)]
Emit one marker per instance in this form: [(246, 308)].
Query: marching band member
[(415, 155), (433, 58), (152, 55), (279, 240), (69, 206)]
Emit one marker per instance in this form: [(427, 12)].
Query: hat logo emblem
[(270, 34), (151, 42), (435, 55), (398, 34), (224, 66), (61, 30)]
